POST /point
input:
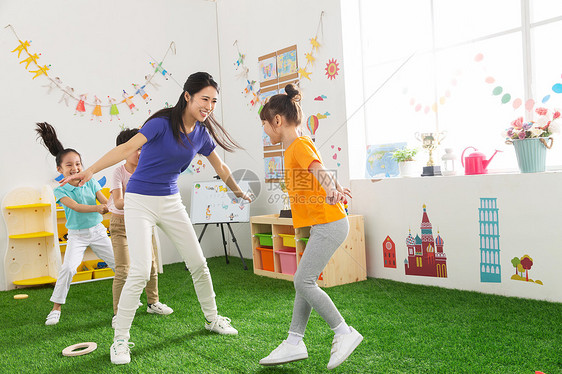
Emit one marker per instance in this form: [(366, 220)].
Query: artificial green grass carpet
[(407, 329)]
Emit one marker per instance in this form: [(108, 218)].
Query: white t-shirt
[(119, 182)]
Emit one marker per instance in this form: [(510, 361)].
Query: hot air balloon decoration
[(312, 124)]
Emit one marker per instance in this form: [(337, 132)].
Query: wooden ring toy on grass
[(21, 296), (79, 349)]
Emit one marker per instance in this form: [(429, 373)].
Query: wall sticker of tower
[(389, 253), (490, 268), (425, 255)]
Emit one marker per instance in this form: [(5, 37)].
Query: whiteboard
[(213, 202)]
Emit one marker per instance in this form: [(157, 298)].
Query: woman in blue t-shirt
[(170, 139)]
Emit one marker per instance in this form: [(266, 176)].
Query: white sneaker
[(221, 325), (120, 352), (159, 308), (286, 352), (53, 318), (113, 321), (343, 346)]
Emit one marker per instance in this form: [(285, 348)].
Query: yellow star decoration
[(304, 74), (314, 43), (41, 70), (310, 58)]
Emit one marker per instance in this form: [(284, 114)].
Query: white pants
[(142, 213), (78, 240)]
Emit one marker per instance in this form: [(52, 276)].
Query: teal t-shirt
[(82, 195)]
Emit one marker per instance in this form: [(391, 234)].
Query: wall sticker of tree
[(522, 266)]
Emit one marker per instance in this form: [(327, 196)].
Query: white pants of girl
[(142, 213), (78, 240)]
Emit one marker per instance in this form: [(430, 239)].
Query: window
[(434, 81)]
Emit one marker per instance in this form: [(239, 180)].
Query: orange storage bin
[(266, 258)]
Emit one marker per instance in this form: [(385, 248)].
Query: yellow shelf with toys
[(91, 268)]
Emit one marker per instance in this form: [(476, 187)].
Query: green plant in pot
[(406, 161)]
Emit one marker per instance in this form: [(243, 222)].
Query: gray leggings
[(323, 242)]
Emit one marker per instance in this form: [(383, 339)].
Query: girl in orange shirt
[(316, 200)]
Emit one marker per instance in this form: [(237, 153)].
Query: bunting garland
[(139, 91), (497, 90), (303, 72), (251, 88)]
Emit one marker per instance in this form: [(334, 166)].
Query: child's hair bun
[(293, 92)]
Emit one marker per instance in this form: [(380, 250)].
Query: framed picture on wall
[(287, 66), (267, 69), (273, 166)]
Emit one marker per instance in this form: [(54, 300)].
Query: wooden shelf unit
[(347, 265), (33, 255)]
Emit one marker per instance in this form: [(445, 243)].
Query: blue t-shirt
[(82, 195), (162, 158)]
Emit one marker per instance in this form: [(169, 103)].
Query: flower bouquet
[(547, 123), (530, 139)]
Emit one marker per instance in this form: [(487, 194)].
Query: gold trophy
[(286, 211), (430, 141)]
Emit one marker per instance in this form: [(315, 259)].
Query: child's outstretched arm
[(112, 157), (118, 199), (83, 208), (101, 197), (224, 173), (334, 192)]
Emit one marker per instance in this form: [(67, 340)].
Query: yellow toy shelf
[(32, 256), (35, 281), (40, 234), (40, 205)]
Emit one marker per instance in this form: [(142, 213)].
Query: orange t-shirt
[(306, 195)]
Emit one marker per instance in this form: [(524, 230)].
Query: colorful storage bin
[(103, 273), (288, 240), (84, 273), (287, 260), (98, 273), (265, 239), (266, 258)]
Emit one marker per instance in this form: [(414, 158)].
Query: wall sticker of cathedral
[(425, 255)]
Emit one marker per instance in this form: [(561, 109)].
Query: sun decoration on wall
[(332, 69)]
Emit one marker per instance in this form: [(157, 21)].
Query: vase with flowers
[(531, 139)]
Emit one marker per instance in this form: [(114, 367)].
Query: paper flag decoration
[(30, 60)]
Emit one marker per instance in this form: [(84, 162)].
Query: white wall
[(262, 27), (529, 215), (98, 48)]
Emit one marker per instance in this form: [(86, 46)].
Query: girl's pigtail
[(48, 135)]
